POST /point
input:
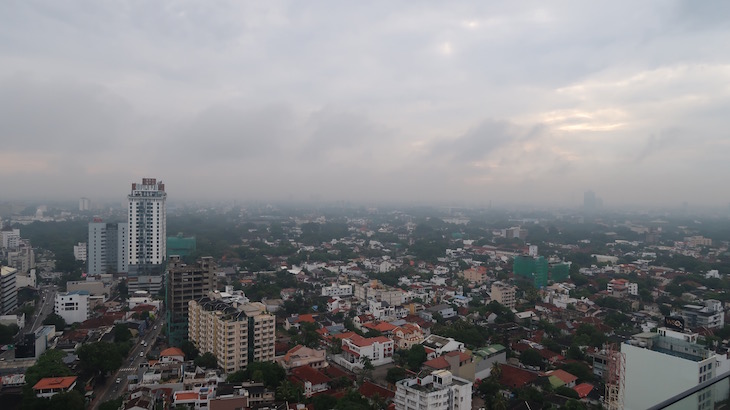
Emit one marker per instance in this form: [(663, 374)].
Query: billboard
[(674, 322)]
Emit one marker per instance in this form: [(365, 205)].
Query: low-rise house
[(436, 345), (312, 380), (355, 349), (446, 312), (407, 335), (172, 354), (300, 356), (49, 386)]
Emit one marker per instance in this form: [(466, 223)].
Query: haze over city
[(529, 102)]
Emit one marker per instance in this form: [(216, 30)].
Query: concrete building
[(11, 238), (147, 235), (147, 221), (436, 345), (23, 257), (84, 204), (622, 287), (439, 390), (107, 248), (379, 350), (185, 283), (236, 333), (337, 290), (299, 356), (376, 290), (709, 315), (26, 279), (80, 251), (504, 294), (663, 364), (8, 290), (485, 358), (35, 343), (73, 307), (446, 312)]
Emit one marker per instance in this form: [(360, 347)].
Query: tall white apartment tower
[(147, 223)]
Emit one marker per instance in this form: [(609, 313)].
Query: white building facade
[(107, 248), (73, 307), (439, 390), (8, 290), (147, 223), (337, 290)]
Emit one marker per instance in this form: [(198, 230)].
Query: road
[(47, 294), (111, 389)]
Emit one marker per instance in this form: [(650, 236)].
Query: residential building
[(312, 380), (337, 290), (11, 238), (475, 275), (439, 390), (80, 253), (22, 257), (147, 235), (659, 365), (47, 387), (622, 287), (303, 356), (84, 204), (107, 248), (73, 306), (436, 345), (8, 290), (407, 335), (184, 283), (445, 311), (376, 290), (710, 315), (485, 358), (504, 294), (355, 349), (236, 333)]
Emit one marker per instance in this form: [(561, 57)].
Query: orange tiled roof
[(172, 351), (55, 383)]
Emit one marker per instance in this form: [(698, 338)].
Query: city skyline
[(532, 103)]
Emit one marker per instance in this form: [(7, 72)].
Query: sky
[(464, 102)]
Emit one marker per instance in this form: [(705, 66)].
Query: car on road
[(141, 354), (119, 380)]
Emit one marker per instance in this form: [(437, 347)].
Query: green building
[(560, 272), (180, 245), (535, 269)]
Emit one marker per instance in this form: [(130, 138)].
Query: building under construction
[(185, 283)]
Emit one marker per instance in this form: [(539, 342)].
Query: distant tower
[(532, 250), (590, 202), (147, 235), (84, 204)]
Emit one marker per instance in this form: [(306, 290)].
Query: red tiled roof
[(172, 351), (55, 383), (437, 363), (186, 396), (369, 389), (563, 375), (308, 373), (515, 377), (583, 389)]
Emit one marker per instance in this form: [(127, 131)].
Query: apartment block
[(504, 294), (73, 307), (236, 333), (8, 290)]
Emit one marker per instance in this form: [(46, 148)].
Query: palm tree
[(496, 372)]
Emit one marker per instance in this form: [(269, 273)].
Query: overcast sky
[(532, 102)]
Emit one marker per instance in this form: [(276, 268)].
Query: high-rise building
[(590, 202), (147, 235), (8, 290), (535, 269), (11, 238), (236, 333), (84, 204), (185, 283), (439, 390), (107, 247)]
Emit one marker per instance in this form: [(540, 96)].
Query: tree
[(416, 356), (111, 404), (191, 352), (289, 391), (7, 333), (56, 320), (531, 357), (99, 357), (49, 364), (206, 360), (123, 290), (71, 400), (122, 333), (395, 374), (324, 402), (567, 392)]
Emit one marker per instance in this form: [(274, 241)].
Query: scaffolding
[(614, 397)]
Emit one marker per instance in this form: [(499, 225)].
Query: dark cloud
[(484, 139)]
